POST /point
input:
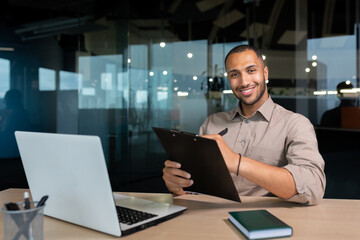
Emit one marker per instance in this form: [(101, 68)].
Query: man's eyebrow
[(233, 70), (250, 66)]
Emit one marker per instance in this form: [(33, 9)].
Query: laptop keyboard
[(130, 216)]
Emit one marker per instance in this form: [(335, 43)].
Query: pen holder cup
[(24, 223)]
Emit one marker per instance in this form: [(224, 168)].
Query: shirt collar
[(265, 110)]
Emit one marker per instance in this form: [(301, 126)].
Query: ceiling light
[(211, 79), (348, 90), (314, 57), (151, 73), (307, 70), (162, 44), (189, 55), (263, 57), (165, 73), (314, 64), (227, 91), (347, 82), (319, 93), (7, 49), (194, 78), (129, 60), (182, 94)]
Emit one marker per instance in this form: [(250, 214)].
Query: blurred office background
[(117, 68)]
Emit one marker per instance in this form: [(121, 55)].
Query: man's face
[(247, 75)]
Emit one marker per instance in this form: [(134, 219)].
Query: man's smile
[(247, 91)]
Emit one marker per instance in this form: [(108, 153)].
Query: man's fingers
[(182, 178), (175, 178), (176, 172), (172, 164)]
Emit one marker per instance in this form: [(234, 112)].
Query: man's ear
[(266, 73)]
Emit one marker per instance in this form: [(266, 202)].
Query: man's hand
[(175, 178), (231, 158)]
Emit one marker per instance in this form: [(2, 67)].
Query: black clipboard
[(201, 157)]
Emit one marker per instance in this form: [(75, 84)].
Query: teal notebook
[(259, 224)]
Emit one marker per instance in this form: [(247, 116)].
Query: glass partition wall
[(117, 68)]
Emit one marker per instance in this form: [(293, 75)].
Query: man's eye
[(234, 75), (251, 70)]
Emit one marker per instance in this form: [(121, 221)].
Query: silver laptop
[(71, 169)]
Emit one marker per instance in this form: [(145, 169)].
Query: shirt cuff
[(303, 195)]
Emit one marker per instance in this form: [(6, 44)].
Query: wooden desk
[(206, 218)]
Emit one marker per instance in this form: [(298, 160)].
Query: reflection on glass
[(346, 114), (141, 98), (104, 83), (70, 80), (88, 91), (330, 55), (47, 79), (4, 76)]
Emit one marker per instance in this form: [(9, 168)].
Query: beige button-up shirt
[(278, 137)]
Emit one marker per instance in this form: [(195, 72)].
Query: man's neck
[(249, 110)]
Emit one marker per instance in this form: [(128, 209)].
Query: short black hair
[(343, 85), (243, 48)]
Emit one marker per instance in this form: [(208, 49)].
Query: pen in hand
[(223, 132)]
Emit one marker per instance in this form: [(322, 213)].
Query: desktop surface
[(207, 218)]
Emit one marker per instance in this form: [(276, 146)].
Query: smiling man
[(268, 149)]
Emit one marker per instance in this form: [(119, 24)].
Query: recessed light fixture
[(162, 44)]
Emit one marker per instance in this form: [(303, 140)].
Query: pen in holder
[(20, 223)]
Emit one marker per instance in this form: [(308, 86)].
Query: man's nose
[(244, 80)]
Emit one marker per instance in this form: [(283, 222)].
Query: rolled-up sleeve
[(304, 161)]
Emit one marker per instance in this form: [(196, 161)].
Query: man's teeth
[(245, 91)]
